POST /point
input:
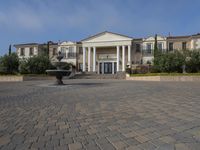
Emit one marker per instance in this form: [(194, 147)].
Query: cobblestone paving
[(100, 114)]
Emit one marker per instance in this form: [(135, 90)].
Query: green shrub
[(169, 62), (23, 67), (35, 65), (193, 63), (9, 64)]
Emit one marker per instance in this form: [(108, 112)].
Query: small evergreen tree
[(156, 54), (9, 50), (155, 47)]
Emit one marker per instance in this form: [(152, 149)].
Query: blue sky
[(23, 21)]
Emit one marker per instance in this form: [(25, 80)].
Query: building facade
[(107, 52), (28, 50)]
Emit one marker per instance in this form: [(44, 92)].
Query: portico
[(106, 53)]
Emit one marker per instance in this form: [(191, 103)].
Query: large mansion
[(107, 52)]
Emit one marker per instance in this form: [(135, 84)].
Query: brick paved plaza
[(100, 114)]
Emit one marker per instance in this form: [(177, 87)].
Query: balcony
[(71, 55), (150, 52)]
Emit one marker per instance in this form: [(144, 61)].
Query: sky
[(27, 21)]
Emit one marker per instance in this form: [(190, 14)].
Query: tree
[(9, 64), (155, 47), (170, 62), (35, 65), (9, 50), (193, 62), (156, 52), (23, 67), (38, 64)]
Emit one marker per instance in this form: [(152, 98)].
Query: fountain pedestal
[(59, 72)]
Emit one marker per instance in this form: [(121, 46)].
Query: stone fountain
[(58, 72)]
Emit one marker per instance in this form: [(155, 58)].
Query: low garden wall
[(164, 78), (13, 78)]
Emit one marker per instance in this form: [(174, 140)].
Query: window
[(160, 46), (171, 46), (63, 52), (71, 53), (71, 49), (138, 48), (54, 51), (80, 50), (22, 53), (31, 51), (184, 45), (149, 48)]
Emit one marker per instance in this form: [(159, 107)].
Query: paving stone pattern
[(100, 115)]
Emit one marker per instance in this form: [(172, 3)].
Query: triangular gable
[(107, 36), (67, 43), (152, 38)]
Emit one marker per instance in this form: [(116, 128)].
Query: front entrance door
[(108, 68)]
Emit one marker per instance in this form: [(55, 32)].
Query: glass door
[(108, 68)]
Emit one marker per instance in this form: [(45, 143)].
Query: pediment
[(152, 38), (106, 37), (67, 43)]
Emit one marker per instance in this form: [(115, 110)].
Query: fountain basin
[(58, 74), (58, 64)]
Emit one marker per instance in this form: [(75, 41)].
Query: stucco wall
[(27, 51)]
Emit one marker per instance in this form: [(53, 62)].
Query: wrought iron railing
[(71, 55), (150, 52)]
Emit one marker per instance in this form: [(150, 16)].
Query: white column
[(76, 61), (113, 68), (123, 58), (94, 59), (129, 55), (84, 51), (192, 44), (117, 58), (89, 64)]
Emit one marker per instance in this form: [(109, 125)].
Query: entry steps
[(99, 76)]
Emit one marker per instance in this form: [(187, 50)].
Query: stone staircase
[(120, 75)]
